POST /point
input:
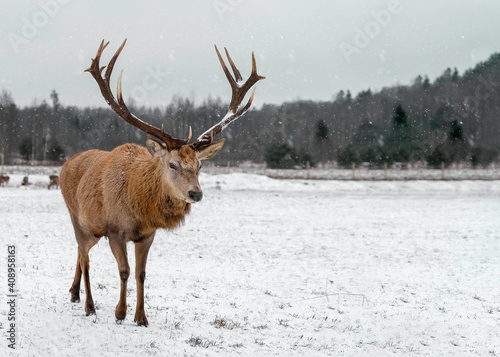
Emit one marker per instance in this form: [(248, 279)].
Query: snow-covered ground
[(273, 267)]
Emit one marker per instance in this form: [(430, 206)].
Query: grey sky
[(307, 50)]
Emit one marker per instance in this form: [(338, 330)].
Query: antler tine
[(237, 73), (111, 63), (119, 94), (247, 106), (237, 96), (94, 65), (119, 106), (224, 68)]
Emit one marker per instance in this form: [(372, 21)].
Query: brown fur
[(4, 180), (126, 195), (120, 188), (54, 181)]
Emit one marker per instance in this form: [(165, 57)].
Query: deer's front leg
[(141, 257), (119, 249)]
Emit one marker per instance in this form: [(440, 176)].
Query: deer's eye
[(173, 166)]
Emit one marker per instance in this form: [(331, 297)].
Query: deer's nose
[(195, 196)]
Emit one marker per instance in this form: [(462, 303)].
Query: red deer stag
[(130, 192)]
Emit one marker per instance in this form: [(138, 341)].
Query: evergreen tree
[(348, 156), (399, 141), (400, 118), (437, 156), (418, 82), (457, 144), (321, 130), (55, 100), (340, 96), (281, 156), (445, 77), (427, 83), (364, 94), (366, 135), (456, 132)]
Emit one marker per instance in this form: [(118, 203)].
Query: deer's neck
[(154, 204)]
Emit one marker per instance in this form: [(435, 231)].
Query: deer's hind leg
[(75, 287), (85, 242), (118, 246)]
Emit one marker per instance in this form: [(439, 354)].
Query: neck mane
[(153, 203)]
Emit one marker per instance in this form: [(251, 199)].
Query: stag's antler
[(238, 93), (119, 106), (238, 88)]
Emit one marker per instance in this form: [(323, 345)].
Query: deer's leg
[(141, 257), (119, 249), (85, 267), (75, 287), (85, 243)]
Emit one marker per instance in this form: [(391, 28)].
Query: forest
[(452, 119)]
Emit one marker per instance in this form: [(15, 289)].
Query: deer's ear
[(211, 150), (155, 148)]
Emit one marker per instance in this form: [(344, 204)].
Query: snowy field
[(273, 267)]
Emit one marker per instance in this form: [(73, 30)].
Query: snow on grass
[(409, 268)]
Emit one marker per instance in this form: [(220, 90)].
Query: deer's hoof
[(89, 308), (141, 320), (75, 294)]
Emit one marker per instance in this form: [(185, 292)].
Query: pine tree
[(456, 132), (437, 156), (348, 156), (427, 83), (457, 144), (55, 100), (399, 141), (400, 118), (321, 130)]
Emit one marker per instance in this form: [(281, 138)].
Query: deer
[(26, 181), (4, 180), (54, 181), (127, 194)]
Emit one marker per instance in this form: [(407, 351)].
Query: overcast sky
[(306, 49)]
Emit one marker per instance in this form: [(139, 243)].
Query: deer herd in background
[(54, 181)]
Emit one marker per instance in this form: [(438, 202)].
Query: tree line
[(454, 118)]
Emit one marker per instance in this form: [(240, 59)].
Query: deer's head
[(180, 160), (180, 167)]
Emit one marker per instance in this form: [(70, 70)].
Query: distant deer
[(4, 180), (54, 181), (26, 181), (130, 192)]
